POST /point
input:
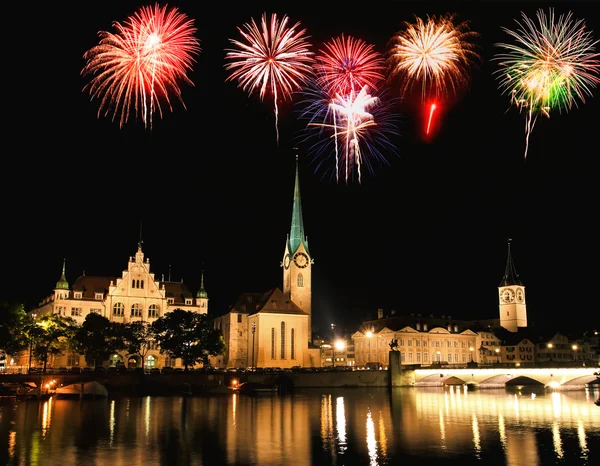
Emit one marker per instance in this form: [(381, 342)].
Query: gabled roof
[(397, 322), (176, 290), (89, 285), (272, 301)]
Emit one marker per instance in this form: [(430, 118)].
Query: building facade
[(134, 296), (273, 328)]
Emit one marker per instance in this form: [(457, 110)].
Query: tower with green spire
[(511, 295), (297, 261), (202, 295), (61, 290)]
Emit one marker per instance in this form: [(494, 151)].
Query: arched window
[(119, 310), (282, 340), (153, 310), (300, 280), (292, 343), (136, 310), (150, 362), (272, 343)]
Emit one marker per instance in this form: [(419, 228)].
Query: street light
[(497, 355), (339, 345), (549, 346), (574, 348), (253, 332), (471, 352)]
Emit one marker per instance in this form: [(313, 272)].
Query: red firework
[(142, 63), (274, 58), (348, 65)]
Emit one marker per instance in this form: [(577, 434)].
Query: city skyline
[(210, 188)]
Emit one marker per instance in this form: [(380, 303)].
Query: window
[(78, 295), (150, 362), (169, 361), (119, 310), (73, 359), (272, 343), (282, 340), (170, 300), (300, 280), (239, 318), (96, 311), (292, 343), (425, 356), (136, 310), (188, 301), (98, 296), (153, 310), (75, 311), (425, 327)]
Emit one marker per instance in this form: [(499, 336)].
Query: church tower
[(297, 262), (511, 295)]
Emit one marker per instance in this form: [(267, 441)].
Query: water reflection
[(325, 427)]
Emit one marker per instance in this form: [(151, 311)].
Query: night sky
[(211, 189)]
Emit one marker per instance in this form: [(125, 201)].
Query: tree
[(98, 338), (189, 336), (139, 338), (50, 335), (13, 321)]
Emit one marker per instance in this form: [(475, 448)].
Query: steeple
[(297, 229), (202, 292), (62, 284), (511, 277)]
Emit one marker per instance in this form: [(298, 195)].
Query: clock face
[(286, 261), (301, 260), (520, 295), (508, 296)]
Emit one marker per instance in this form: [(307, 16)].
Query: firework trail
[(436, 54), (142, 63), (354, 127), (551, 65), (271, 58)]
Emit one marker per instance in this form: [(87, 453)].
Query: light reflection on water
[(311, 427)]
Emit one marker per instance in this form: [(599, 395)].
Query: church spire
[(63, 284), (297, 229), (202, 292), (511, 277)]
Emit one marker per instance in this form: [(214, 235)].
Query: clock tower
[(511, 295), (297, 262)]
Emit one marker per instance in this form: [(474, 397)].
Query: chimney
[(380, 313)]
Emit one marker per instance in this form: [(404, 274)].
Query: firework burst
[(272, 58), (435, 55), (140, 65), (551, 65), (353, 129), (347, 64)]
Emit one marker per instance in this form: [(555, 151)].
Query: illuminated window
[(119, 310), (300, 280), (153, 310), (136, 310), (282, 340), (272, 343), (292, 343)]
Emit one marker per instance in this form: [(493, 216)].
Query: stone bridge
[(552, 378)]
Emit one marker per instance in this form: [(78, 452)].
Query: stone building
[(273, 328)]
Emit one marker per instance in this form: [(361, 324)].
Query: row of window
[(282, 347), (135, 310), (365, 344)]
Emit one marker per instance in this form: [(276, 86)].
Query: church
[(273, 328), (267, 329)]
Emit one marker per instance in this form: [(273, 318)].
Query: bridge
[(554, 377)]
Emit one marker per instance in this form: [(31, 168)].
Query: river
[(349, 426)]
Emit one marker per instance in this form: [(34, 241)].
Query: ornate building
[(136, 295), (273, 328), (430, 340)]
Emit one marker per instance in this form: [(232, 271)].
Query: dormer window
[(98, 296), (78, 294), (188, 301), (170, 300)]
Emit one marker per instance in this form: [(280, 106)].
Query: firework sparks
[(142, 63), (431, 110), (274, 58), (348, 64), (353, 127), (552, 65), (436, 54)]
